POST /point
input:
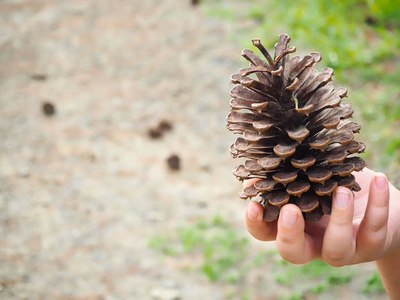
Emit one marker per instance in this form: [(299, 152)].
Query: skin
[(363, 227)]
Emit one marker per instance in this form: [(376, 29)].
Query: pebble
[(174, 162), (48, 108)]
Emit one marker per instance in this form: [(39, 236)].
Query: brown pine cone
[(295, 132)]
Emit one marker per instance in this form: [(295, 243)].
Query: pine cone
[(294, 131)]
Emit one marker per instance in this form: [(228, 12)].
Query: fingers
[(372, 233), (363, 179), (341, 243), (294, 245), (338, 247), (256, 225), (250, 182)]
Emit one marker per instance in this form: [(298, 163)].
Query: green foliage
[(161, 242), (221, 249), (222, 11), (224, 255), (295, 296), (315, 277), (386, 11), (360, 39), (339, 29), (335, 279), (374, 284)]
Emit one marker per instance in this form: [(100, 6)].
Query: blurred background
[(115, 175)]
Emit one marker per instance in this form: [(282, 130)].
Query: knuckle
[(290, 257), (340, 221), (381, 202), (291, 254), (375, 228), (287, 239), (334, 259), (288, 248)]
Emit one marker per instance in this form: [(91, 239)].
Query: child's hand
[(358, 230)]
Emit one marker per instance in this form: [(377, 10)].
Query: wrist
[(395, 253), (389, 270)]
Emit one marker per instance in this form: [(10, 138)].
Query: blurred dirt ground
[(83, 190)]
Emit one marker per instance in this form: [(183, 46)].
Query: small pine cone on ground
[(294, 131)]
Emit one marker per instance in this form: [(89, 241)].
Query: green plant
[(221, 251), (294, 296), (314, 277), (161, 243), (215, 248), (338, 28), (222, 248), (360, 39), (374, 284), (385, 11)]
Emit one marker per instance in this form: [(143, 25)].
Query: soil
[(85, 179)]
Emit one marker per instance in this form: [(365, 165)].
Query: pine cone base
[(295, 132)]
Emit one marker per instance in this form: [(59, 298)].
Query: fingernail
[(289, 218), (342, 197), (380, 181), (252, 212)]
